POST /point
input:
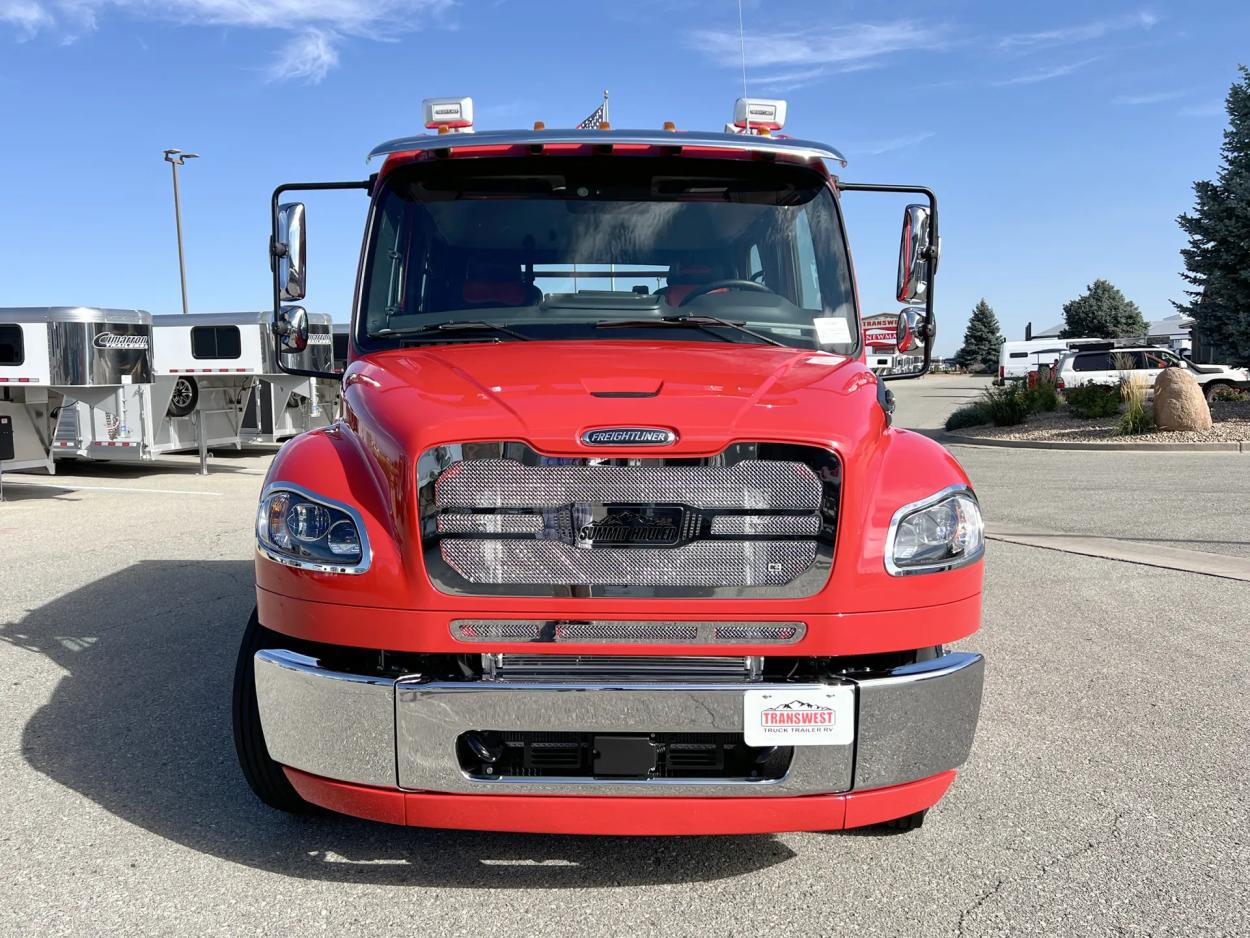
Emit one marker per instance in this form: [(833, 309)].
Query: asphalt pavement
[(1106, 793)]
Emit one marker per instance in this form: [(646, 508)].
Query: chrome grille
[(751, 484), (756, 520), (701, 563), (617, 631)]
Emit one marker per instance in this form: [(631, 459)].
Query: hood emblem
[(629, 436)]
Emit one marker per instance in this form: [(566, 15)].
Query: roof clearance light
[(456, 114), (755, 114)]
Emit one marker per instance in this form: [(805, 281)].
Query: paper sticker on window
[(832, 330)]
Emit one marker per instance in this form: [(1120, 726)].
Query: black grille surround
[(755, 521)]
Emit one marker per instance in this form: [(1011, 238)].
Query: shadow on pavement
[(140, 725)]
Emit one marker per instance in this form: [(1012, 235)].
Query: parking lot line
[(1150, 555), (105, 488)]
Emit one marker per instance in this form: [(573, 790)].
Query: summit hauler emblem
[(116, 340), (629, 436), (819, 715)]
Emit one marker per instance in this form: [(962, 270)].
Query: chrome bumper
[(911, 723)]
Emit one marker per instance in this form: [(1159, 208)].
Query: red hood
[(548, 393)]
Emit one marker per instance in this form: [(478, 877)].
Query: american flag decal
[(595, 119)]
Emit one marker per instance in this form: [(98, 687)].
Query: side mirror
[(914, 330), (291, 327), (290, 251), (914, 255)]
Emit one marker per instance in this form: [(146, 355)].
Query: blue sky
[(1062, 138)]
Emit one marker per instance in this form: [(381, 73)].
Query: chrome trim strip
[(918, 720), (328, 723), (626, 631), (895, 570), (804, 149), (273, 553)]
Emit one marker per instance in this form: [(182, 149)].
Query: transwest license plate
[(822, 716)]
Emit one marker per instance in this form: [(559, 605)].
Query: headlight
[(298, 528), (941, 532)]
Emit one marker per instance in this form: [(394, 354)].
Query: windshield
[(607, 247)]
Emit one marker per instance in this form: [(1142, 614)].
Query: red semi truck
[(615, 535)]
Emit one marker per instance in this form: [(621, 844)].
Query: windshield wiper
[(690, 322), (472, 325)]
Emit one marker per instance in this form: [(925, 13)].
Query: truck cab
[(615, 534)]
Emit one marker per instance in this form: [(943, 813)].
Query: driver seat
[(684, 279)]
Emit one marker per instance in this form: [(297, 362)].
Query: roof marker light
[(670, 126), (540, 125), (454, 114)]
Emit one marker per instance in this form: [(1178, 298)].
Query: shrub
[(1006, 406), (1044, 398), (1133, 391), (1235, 395), (1092, 401), (970, 415)]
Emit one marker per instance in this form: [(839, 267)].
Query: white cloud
[(1083, 32), (1212, 109), (307, 57), (1134, 100), (315, 27), (1045, 74), (26, 15), (820, 45), (895, 143)]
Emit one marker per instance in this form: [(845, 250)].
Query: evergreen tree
[(1103, 312), (1217, 261), (981, 340)]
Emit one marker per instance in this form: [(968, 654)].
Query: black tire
[(1209, 391), (264, 776), (908, 822), (186, 395)]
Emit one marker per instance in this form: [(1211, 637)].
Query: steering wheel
[(749, 285)]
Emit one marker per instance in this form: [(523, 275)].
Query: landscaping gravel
[(1231, 425)]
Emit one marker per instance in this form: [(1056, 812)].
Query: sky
[(1062, 139)]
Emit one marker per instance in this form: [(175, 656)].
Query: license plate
[(807, 716)]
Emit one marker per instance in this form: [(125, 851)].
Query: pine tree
[(1217, 261), (1102, 312), (981, 340)]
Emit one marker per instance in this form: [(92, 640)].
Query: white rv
[(1017, 359), (53, 355), (286, 405), (205, 368)]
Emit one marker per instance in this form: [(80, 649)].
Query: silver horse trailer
[(51, 356), (205, 368), (286, 405)]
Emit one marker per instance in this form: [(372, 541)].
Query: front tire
[(1214, 388), (908, 822), (264, 776), (185, 396)]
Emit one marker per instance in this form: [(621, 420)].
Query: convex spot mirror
[(917, 255), (914, 330), (291, 327), (290, 251)]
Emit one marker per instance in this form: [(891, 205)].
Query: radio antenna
[(742, 49)]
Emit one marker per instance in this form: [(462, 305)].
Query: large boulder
[(1179, 404)]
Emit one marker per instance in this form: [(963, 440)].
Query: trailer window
[(216, 342), (1018, 355), (558, 247), (12, 351)]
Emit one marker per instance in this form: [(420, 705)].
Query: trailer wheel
[(186, 395), (264, 776)]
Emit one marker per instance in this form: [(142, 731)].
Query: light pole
[(176, 158)]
